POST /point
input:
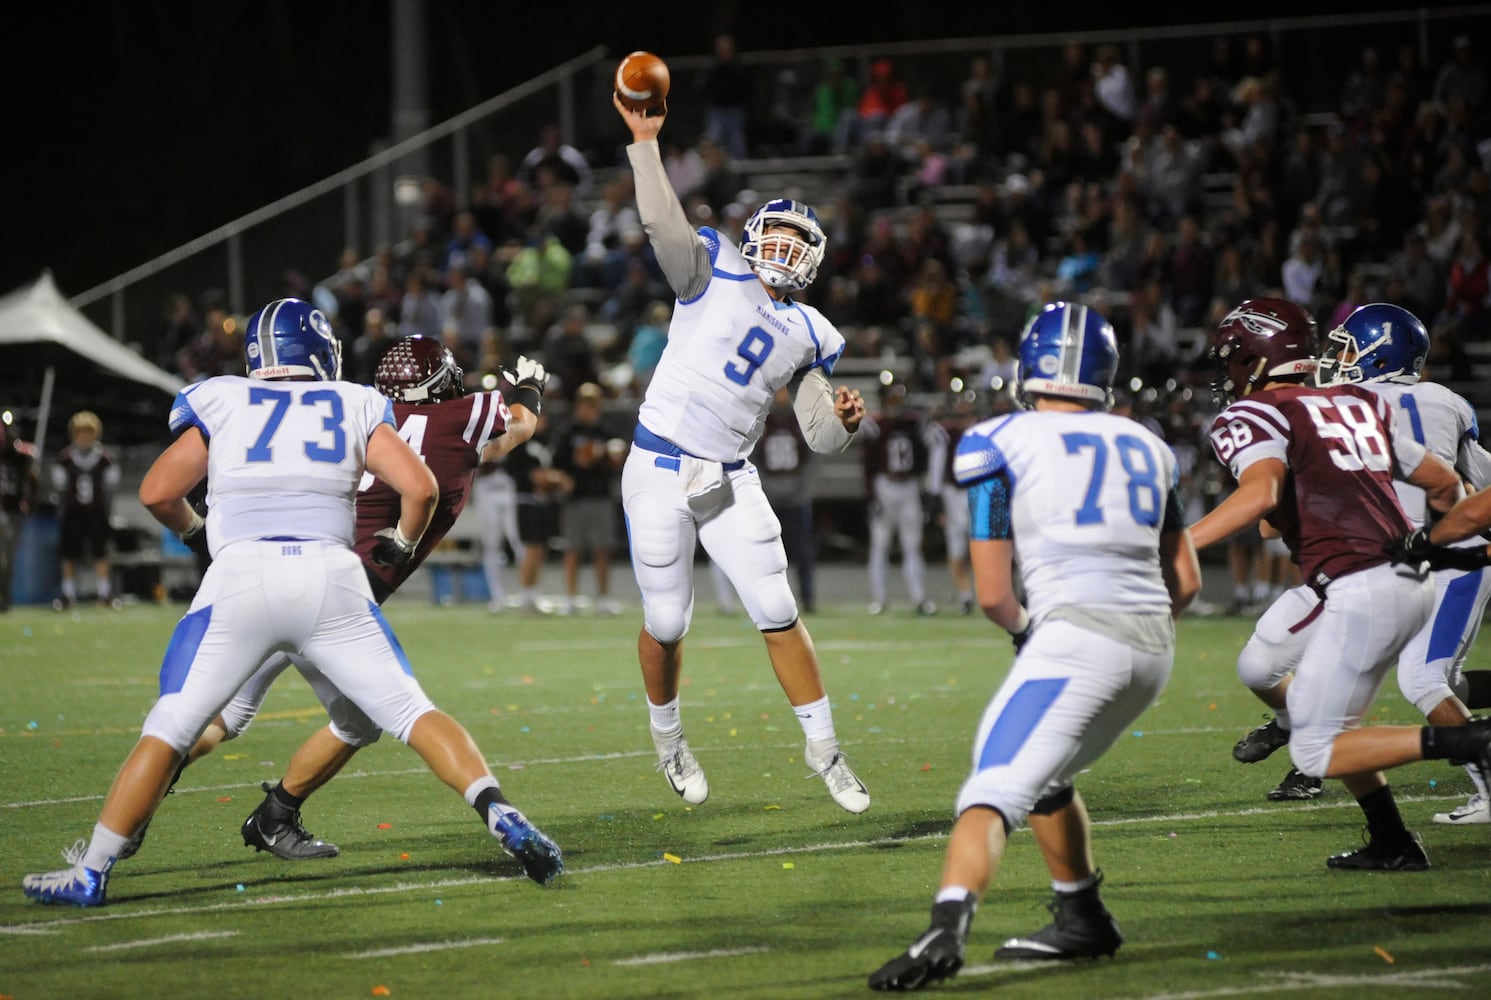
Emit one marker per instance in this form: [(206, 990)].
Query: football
[(642, 82)]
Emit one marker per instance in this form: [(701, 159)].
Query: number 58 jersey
[(283, 458), (729, 350), (1083, 497), (1343, 451)]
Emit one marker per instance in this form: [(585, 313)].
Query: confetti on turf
[(673, 858), (1212, 956), (926, 767), (1212, 707), (32, 725), (1193, 781), (770, 807), (439, 902), (606, 817), (1382, 953), (1138, 732), (1433, 783), (381, 991), (385, 826), (525, 729), (404, 856), (732, 732), (225, 798), (234, 756), (239, 887), (1172, 835), (788, 866), (584, 963), (657, 816)]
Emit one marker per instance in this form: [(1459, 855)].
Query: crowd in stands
[(1162, 199)]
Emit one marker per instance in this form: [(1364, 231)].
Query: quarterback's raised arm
[(680, 253)]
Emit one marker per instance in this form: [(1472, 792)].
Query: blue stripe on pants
[(1018, 720), (182, 649), (393, 640), (1452, 616)]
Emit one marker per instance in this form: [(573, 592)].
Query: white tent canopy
[(40, 313)]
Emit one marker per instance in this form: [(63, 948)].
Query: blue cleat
[(75, 886), (539, 856)]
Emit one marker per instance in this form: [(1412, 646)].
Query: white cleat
[(829, 763), (1477, 810), (681, 768)]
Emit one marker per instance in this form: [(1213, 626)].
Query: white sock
[(817, 720), (1282, 718), (70, 588), (478, 786), (105, 588), (666, 720), (952, 894), (104, 849), (1085, 883)]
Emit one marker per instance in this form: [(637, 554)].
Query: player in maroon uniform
[(452, 432), (898, 443), (1318, 464), (85, 476)]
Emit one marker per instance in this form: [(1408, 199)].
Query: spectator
[(494, 200), (881, 98), (217, 350), (18, 493), (726, 91), (876, 174), (419, 309), (1256, 102), (1114, 90), (1158, 107), (1469, 298), (835, 109), (685, 167), (648, 340), (465, 315), (1191, 270), (591, 458), (85, 475), (178, 329), (608, 220), (1302, 271), (568, 353), (1020, 124), (1423, 282), (1440, 231), (919, 129), (1364, 91), (1173, 177), (539, 276), (1233, 284), (556, 161), (465, 236), (721, 185), (558, 217), (1462, 78), (368, 349)]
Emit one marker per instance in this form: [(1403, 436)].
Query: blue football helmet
[(1378, 342), (289, 338), (1068, 351), (779, 259)]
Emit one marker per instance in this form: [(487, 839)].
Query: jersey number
[(1351, 431), (753, 350), (1137, 461), (262, 450), (413, 433), (1411, 407)]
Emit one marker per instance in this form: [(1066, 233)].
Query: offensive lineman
[(283, 450), (736, 337), (1086, 501)]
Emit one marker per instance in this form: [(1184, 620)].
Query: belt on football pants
[(668, 452)]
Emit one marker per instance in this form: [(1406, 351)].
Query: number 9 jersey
[(1343, 451), (1084, 497), (729, 350), (269, 439)]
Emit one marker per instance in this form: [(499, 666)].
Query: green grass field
[(766, 890)]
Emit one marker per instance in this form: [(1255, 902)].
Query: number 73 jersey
[(1083, 497), (1342, 450), (283, 458)]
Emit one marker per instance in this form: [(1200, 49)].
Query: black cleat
[(1082, 928), (271, 828), (1261, 742), (1376, 856), (933, 957), (1296, 787)]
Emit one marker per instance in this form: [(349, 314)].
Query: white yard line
[(415, 949), (168, 939), (662, 958)]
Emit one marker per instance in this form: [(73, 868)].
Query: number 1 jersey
[(1338, 509)]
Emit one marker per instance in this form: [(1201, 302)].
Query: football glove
[(527, 372), (392, 548), (195, 535), (1415, 547), (1020, 638)]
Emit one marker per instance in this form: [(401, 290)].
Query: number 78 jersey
[(1342, 450), (1084, 498), (729, 350)]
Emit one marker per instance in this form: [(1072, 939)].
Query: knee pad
[(667, 619), (1056, 800), (773, 607), (1310, 751), (1258, 667), (350, 725)]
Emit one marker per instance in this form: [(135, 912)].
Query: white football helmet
[(780, 259)]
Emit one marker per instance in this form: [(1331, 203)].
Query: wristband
[(526, 396), (398, 537), (197, 524)]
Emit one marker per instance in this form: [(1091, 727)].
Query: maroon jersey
[(896, 446), (85, 481), (450, 437), (1338, 509)]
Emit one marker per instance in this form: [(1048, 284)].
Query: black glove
[(1020, 638), (195, 536), (1415, 547), (392, 548)]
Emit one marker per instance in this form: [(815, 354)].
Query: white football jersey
[(1443, 422), (283, 458), (729, 350), (1088, 496)]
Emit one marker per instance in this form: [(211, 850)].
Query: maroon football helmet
[(1262, 340), (419, 370)]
